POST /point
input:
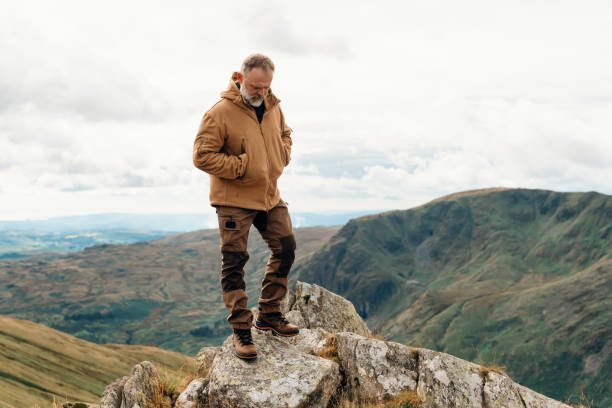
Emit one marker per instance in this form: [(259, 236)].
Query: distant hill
[(164, 292), (38, 364), (516, 277)]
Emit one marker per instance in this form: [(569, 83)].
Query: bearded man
[(243, 143)]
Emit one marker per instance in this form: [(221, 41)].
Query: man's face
[(255, 85)]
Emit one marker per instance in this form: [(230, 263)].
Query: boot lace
[(278, 316), (244, 336)]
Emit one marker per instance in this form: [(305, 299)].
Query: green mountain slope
[(515, 277), (38, 364), (164, 292)]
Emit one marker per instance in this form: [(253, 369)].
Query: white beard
[(253, 100)]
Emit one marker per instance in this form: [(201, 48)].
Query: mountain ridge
[(469, 274)]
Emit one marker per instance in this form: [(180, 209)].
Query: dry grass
[(494, 367), (330, 349), (58, 404), (407, 399), (170, 386), (376, 335), (584, 402), (162, 394)]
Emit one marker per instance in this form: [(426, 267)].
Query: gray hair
[(256, 60)]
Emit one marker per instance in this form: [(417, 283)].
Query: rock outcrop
[(322, 308), (281, 376), (204, 360), (376, 370), (138, 390), (333, 358), (195, 395), (113, 393)]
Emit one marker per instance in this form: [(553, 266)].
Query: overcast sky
[(392, 103)]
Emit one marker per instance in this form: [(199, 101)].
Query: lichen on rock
[(281, 376), (113, 393), (195, 395), (448, 381), (376, 370), (204, 360), (322, 308)]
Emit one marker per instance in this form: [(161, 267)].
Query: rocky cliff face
[(333, 362)]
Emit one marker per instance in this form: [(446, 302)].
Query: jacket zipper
[(254, 116), (267, 160)]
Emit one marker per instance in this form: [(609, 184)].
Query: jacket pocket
[(284, 155), (244, 151)]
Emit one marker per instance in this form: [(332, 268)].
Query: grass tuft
[(584, 402), (376, 335), (407, 399), (170, 386), (494, 367), (330, 349)]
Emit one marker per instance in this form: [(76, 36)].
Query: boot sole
[(264, 328), (245, 356)]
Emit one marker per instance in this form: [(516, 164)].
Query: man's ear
[(240, 77)]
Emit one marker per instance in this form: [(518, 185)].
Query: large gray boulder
[(195, 395), (113, 393), (447, 381), (288, 301), (281, 376), (204, 360), (376, 370), (322, 308), (310, 341), (139, 389), (295, 317), (534, 400), (500, 392)]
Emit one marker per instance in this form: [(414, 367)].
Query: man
[(244, 144)]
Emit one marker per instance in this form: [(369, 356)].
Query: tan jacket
[(244, 158)]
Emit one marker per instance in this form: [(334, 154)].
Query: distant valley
[(163, 292), (19, 239), (23, 243)]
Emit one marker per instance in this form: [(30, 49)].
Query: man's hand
[(244, 161)]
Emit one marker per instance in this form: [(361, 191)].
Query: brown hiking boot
[(243, 344), (277, 323)]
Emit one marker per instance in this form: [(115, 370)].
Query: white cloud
[(392, 104)]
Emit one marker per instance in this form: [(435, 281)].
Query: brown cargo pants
[(275, 229)]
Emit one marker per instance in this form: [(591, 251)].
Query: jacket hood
[(233, 94)]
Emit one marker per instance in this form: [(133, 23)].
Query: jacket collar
[(233, 94)]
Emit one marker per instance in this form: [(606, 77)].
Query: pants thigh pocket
[(230, 234), (229, 224)]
